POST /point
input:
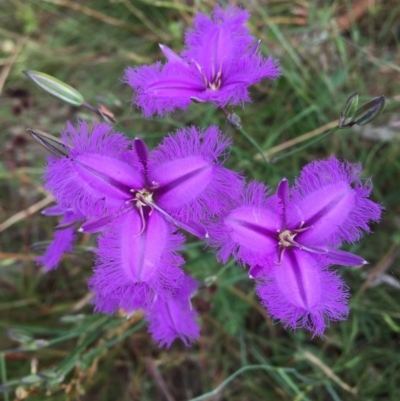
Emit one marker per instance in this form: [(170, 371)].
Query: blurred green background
[(51, 344)]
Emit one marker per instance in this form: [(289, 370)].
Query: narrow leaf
[(56, 87)]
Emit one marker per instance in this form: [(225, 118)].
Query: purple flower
[(174, 318), (221, 61), (63, 236), (138, 199), (290, 240)]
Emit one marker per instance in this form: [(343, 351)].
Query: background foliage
[(51, 344)]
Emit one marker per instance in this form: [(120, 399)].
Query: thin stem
[(299, 139), (246, 135), (3, 374), (255, 144), (91, 108), (247, 368), (101, 111), (331, 131)]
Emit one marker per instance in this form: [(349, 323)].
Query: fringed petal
[(330, 197), (99, 138), (188, 168), (303, 293), (63, 238), (160, 89), (249, 231), (174, 318), (216, 41), (245, 72), (96, 177), (61, 244), (135, 267)]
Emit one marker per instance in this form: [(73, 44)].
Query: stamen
[(139, 205), (142, 198), (200, 68), (286, 240), (281, 253)]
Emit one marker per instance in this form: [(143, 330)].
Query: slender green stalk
[(255, 144), (234, 121), (3, 373), (269, 368), (292, 152)]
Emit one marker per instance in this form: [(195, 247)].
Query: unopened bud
[(107, 114), (50, 143), (369, 111), (56, 87), (234, 120), (347, 115)]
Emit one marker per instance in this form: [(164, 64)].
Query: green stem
[(292, 152), (247, 136), (243, 369), (255, 144), (3, 371)]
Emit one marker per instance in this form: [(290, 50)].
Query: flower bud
[(347, 115), (56, 87), (50, 143), (369, 111)]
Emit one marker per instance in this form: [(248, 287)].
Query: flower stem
[(255, 144), (324, 135), (234, 121)]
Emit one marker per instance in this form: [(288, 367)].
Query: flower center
[(142, 198), (215, 84), (216, 77), (286, 240)]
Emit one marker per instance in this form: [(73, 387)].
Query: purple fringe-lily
[(220, 62), (138, 199), (290, 240)]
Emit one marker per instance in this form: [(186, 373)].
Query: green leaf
[(56, 87)]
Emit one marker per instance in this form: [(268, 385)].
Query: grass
[(53, 347)]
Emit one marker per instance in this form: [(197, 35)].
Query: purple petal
[(254, 48), (338, 257), (142, 152), (192, 182), (283, 195), (193, 227), (244, 73), (217, 41), (99, 224), (62, 242), (160, 89), (136, 268), (99, 138), (302, 293), (249, 231), (252, 69), (171, 55), (96, 176), (174, 318), (55, 210), (330, 197)]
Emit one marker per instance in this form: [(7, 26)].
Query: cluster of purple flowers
[(138, 200)]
